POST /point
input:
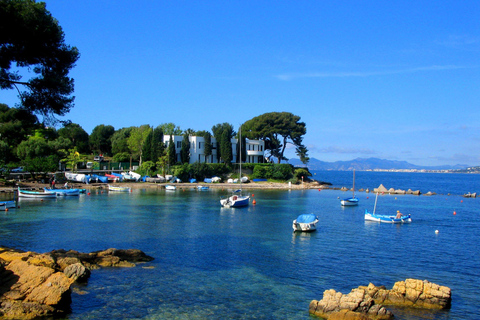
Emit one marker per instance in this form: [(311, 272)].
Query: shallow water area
[(246, 263)]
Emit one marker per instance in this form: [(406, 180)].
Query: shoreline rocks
[(367, 302), (39, 285)]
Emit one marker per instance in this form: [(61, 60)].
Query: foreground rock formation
[(367, 302), (38, 285)]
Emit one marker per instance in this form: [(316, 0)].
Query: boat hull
[(349, 202), (36, 194), (7, 204), (304, 227), (119, 189), (386, 218), (64, 192), (305, 223), (235, 201)]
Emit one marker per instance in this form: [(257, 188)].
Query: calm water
[(214, 263), (440, 183)]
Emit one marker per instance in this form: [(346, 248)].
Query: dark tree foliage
[(208, 145), (77, 135), (223, 133), (172, 157), (31, 40), (278, 129), (147, 147), (185, 150), (158, 147), (119, 140), (15, 126), (100, 139), (226, 148)]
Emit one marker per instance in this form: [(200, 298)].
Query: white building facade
[(255, 149)]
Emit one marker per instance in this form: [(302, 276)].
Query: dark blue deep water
[(215, 263)]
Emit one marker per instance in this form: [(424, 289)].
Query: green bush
[(302, 172)]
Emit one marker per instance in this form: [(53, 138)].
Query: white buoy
[(436, 231)]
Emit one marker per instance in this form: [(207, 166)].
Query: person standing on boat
[(399, 215)]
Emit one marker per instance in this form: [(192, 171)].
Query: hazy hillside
[(368, 164)]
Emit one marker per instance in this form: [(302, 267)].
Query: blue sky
[(396, 80)]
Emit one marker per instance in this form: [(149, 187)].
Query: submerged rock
[(39, 285)]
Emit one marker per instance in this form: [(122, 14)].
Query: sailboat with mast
[(237, 199), (353, 201)]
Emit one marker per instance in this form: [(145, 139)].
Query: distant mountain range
[(363, 164)]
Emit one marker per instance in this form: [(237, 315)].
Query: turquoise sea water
[(216, 263)]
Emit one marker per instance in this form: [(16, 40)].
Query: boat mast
[(240, 144), (353, 183), (375, 207)]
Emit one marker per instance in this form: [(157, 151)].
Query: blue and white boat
[(386, 218), (398, 218), (203, 188), (9, 204), (36, 194), (235, 200), (305, 223), (64, 192), (353, 201)]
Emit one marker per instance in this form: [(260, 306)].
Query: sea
[(247, 263)]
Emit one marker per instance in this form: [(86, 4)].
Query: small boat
[(399, 218), (305, 223), (353, 201), (169, 187), (9, 204), (120, 189), (235, 201), (36, 194), (386, 218), (203, 188), (64, 192)]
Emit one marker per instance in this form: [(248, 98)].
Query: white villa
[(255, 149)]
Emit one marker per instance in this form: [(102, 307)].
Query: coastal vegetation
[(28, 143)]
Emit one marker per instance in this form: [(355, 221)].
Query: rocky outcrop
[(38, 285), (367, 302), (357, 305), (382, 189), (412, 293)]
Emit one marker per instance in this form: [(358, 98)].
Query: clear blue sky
[(397, 80)]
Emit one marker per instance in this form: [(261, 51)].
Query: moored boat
[(398, 218), (171, 188), (353, 201), (121, 189), (9, 204), (305, 223), (36, 194), (387, 218), (235, 201), (64, 192)]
